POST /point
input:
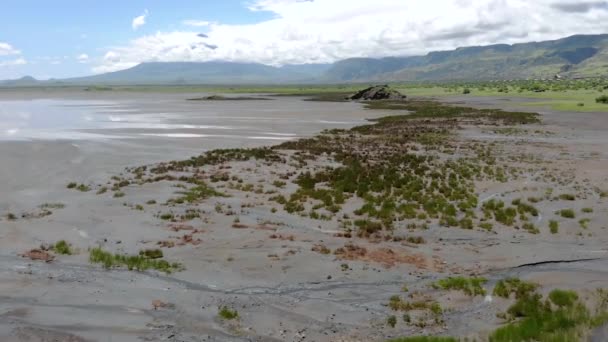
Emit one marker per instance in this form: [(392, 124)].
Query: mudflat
[(359, 233)]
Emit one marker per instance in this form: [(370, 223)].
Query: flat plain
[(297, 220)]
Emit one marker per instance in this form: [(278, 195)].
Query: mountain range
[(575, 56)]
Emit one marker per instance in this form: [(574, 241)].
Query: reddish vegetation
[(266, 227), (320, 248), (39, 254), (283, 237), (343, 235), (385, 256), (176, 227), (186, 239), (158, 304), (240, 226)]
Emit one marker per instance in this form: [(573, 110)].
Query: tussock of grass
[(52, 206), (200, 192), (584, 223), (504, 288), (567, 197), (553, 226), (132, 262), (567, 213), (62, 247), (470, 286), (227, 313), (151, 253)]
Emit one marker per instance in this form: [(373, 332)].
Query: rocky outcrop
[(382, 92)]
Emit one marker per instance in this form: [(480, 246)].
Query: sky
[(68, 38)]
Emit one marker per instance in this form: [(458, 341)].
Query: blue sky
[(51, 34), (65, 38)]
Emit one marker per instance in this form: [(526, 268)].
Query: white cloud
[(82, 58), (14, 62), (139, 21), (196, 23), (6, 50), (306, 31)]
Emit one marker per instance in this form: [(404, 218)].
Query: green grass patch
[(131, 262), (62, 247), (470, 286), (227, 313), (553, 226), (506, 287), (567, 213), (561, 317)]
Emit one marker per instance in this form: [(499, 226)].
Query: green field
[(562, 95)]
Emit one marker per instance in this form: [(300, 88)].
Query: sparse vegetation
[(567, 213), (228, 314), (131, 262), (553, 226), (391, 321), (470, 286), (602, 99), (62, 247), (505, 288), (562, 317)]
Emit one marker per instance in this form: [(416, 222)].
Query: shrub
[(391, 321), (151, 253), (563, 298), (504, 288), (83, 188), (567, 213), (553, 226), (62, 247), (530, 228), (587, 210), (227, 313), (567, 197), (132, 262), (470, 286), (602, 99)]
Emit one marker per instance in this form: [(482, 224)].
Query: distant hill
[(575, 56), (23, 81), (206, 73)]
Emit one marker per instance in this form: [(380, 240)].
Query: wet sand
[(282, 289)]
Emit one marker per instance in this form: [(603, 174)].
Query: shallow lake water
[(47, 140), (169, 117)]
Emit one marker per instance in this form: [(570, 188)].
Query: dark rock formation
[(381, 92)]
